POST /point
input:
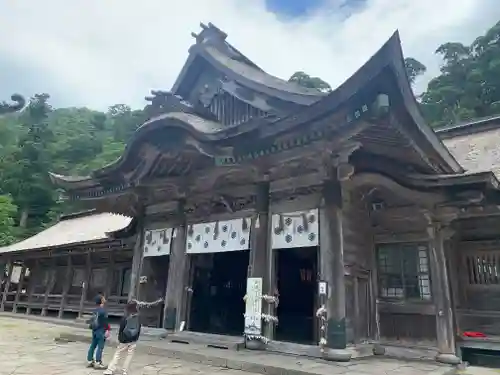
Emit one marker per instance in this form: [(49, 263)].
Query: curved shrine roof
[(259, 80), (383, 73)]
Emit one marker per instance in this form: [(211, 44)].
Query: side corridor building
[(346, 200)]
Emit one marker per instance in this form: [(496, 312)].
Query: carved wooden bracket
[(441, 221)]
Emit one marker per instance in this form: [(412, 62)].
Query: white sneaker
[(100, 366), (108, 372)]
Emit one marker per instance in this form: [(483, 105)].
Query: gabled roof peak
[(209, 33)]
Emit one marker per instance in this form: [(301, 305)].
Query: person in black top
[(99, 325), (130, 330)]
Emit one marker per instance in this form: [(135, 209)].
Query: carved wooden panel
[(218, 236), (157, 242), (295, 229)]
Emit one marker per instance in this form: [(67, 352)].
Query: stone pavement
[(28, 347)]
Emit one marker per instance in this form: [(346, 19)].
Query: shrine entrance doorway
[(297, 270), (218, 287)]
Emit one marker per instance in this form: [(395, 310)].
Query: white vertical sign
[(253, 307)]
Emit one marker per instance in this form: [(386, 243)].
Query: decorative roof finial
[(209, 33), (5, 107)]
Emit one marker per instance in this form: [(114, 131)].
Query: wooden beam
[(19, 288), (387, 238), (31, 287), (3, 266), (110, 275), (332, 267), (259, 247), (137, 261), (85, 284), (176, 276), (412, 196), (10, 268), (107, 246), (50, 285), (441, 293), (68, 279)]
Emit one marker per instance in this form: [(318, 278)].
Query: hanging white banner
[(157, 242), (295, 229), (218, 236)]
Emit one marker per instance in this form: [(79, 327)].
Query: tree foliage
[(305, 80), (469, 84), (40, 139), (7, 213)]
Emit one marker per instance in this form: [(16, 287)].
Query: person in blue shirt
[(99, 325)]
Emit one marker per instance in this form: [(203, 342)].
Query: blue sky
[(95, 53), (293, 8), (300, 8)]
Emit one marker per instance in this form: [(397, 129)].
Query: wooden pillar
[(19, 287), (3, 266), (332, 270), (50, 285), (176, 289), (260, 257), (137, 260), (85, 284), (440, 287), (110, 275), (10, 268), (68, 280), (32, 284)]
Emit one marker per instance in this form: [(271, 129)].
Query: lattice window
[(483, 268), (403, 271)]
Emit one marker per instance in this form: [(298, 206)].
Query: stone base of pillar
[(337, 355), (254, 345), (378, 349), (447, 358), (170, 320)]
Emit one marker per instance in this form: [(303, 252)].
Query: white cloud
[(102, 52)]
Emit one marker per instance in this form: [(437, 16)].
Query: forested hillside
[(78, 140)]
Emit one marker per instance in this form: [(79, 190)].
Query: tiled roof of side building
[(475, 144), (71, 230)]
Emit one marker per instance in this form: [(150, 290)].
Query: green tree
[(305, 80), (8, 211), (414, 68), (469, 83), (24, 172)]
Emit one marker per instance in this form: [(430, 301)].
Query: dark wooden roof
[(212, 47), (184, 139)]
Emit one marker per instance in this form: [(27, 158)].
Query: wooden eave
[(384, 70)]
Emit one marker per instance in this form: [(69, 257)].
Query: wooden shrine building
[(357, 220), (59, 271)]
